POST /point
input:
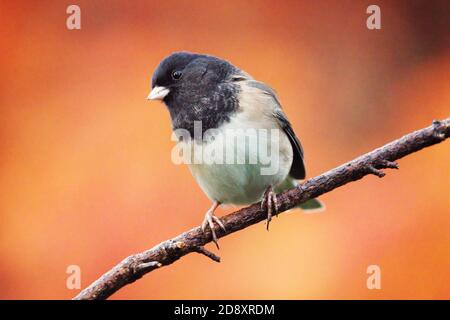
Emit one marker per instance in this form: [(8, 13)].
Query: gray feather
[(298, 167)]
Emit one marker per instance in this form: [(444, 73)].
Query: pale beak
[(158, 93)]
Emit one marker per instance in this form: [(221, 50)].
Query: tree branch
[(169, 251)]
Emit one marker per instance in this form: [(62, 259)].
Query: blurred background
[(86, 176)]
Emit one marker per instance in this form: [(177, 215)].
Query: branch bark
[(169, 251)]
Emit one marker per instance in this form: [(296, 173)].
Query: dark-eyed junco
[(212, 105)]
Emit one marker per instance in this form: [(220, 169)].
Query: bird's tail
[(309, 206)]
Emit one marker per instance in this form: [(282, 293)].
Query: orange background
[(85, 170)]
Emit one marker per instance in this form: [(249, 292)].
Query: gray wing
[(298, 167)]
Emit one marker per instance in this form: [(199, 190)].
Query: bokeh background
[(85, 170)]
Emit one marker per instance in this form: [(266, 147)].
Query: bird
[(223, 99)]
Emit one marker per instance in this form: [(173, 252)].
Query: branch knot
[(440, 127)]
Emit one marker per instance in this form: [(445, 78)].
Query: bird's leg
[(208, 221), (269, 202)]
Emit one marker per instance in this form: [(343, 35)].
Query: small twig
[(375, 171), (389, 164), (146, 267), (167, 252), (207, 253)]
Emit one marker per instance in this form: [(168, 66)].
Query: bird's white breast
[(236, 183)]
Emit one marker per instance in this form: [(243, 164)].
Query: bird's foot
[(270, 203), (209, 220)]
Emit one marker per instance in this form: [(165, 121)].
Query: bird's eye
[(176, 75)]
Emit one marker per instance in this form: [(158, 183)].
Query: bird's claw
[(209, 220), (269, 202)]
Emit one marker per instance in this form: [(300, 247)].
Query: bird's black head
[(195, 87), (185, 70), (169, 72)]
